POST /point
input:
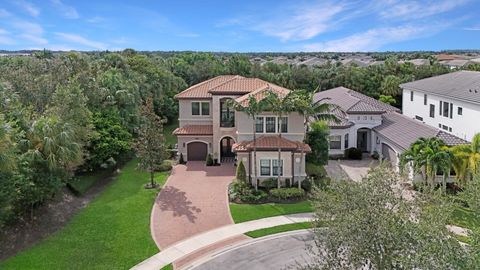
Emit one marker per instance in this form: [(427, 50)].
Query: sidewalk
[(195, 243)]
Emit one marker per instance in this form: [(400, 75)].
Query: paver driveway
[(194, 200)]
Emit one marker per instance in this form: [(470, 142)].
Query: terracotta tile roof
[(200, 90), (261, 93), (230, 84), (271, 143), (343, 120), (238, 85), (194, 130)]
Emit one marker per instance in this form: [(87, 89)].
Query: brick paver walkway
[(194, 200)]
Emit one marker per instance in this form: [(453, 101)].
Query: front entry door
[(362, 141), (226, 147)]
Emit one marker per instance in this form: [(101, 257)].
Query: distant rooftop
[(463, 85)]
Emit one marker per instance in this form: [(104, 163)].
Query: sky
[(240, 26)]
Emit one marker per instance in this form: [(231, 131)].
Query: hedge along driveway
[(112, 232), (247, 212)]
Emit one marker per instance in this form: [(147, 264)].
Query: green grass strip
[(246, 212), (279, 229)]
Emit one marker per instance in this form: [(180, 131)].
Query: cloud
[(28, 27), (373, 39), (189, 35), (5, 40), (28, 7), (67, 11), (3, 32), (79, 40), (416, 10), (472, 28), (96, 19), (302, 22), (4, 13), (35, 39)]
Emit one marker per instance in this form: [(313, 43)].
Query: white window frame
[(277, 124), (337, 138), (271, 166)]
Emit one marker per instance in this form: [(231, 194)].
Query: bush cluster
[(287, 193), (242, 191), (353, 153)]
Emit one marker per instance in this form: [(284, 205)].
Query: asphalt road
[(270, 253)]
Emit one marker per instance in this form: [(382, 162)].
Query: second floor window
[(227, 114), (271, 124), (259, 125), (200, 108), (432, 111)]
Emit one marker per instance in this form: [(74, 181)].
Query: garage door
[(389, 154), (196, 151)]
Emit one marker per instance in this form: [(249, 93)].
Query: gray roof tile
[(463, 85)]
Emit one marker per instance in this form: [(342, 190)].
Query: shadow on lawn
[(172, 199)]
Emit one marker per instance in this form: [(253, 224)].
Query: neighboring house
[(373, 126), (208, 126), (450, 102)]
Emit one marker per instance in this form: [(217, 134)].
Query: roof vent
[(470, 90)]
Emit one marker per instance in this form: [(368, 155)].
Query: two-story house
[(450, 102), (374, 126), (207, 125)]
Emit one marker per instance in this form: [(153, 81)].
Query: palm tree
[(310, 109), (53, 142), (280, 106), (427, 156), (253, 108), (391, 86), (466, 162)]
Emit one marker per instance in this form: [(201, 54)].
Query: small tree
[(241, 172), (150, 146), (373, 224), (317, 138), (387, 99)]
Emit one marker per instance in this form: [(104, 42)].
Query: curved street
[(271, 252)]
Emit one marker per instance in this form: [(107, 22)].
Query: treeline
[(70, 112)]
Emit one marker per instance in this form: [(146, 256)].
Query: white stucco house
[(207, 125), (373, 126), (450, 102)]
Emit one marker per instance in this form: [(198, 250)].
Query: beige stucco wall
[(299, 164), (219, 132), (245, 126), (185, 116)]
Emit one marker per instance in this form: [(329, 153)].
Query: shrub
[(239, 190), (209, 160), (181, 160), (241, 173), (375, 155), (315, 170), (317, 138), (165, 166), (353, 153), (306, 184), (287, 193), (270, 183)]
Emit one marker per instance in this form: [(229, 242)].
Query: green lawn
[(247, 212), (82, 183), (112, 232), (465, 218), (279, 229)]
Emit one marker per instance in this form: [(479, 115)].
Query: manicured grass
[(167, 267), (246, 212), (465, 218), (112, 232), (170, 139), (279, 229), (82, 183)]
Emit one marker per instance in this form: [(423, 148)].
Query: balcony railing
[(227, 120)]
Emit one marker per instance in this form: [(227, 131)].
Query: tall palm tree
[(466, 162), (253, 108), (281, 106), (427, 156), (311, 110)]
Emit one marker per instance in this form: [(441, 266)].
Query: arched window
[(227, 114)]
